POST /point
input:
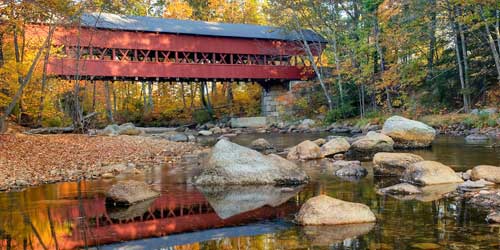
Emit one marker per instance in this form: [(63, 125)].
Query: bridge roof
[(189, 27)]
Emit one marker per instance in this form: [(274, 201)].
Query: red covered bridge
[(113, 47)]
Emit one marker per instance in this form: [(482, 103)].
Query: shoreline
[(33, 160)]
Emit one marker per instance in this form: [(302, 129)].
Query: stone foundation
[(275, 102)]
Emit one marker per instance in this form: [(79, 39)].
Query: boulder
[(430, 173), (110, 130), (400, 189), (408, 133), (177, 137), (335, 146), (486, 172), (306, 124), (128, 129), (325, 210), (205, 132), (366, 146), (306, 150), (474, 184), (232, 164), (216, 130), (350, 168), (261, 145), (493, 217), (393, 164), (320, 142), (129, 192)]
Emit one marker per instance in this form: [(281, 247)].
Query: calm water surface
[(74, 215)]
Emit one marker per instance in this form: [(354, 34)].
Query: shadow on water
[(74, 215)]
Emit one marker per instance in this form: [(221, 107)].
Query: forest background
[(412, 57)]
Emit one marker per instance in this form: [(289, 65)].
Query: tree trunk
[(44, 84), (380, 53), (183, 96), (432, 40), (109, 113), (150, 96), (463, 44), (144, 97), (491, 42), (204, 102), (229, 94), (93, 95), (114, 96), (2, 60)]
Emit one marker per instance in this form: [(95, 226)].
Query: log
[(50, 130)]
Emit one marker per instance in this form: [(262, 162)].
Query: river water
[(74, 215)]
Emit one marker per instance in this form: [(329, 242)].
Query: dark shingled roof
[(188, 27)]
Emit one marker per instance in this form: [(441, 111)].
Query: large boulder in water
[(366, 146), (335, 146), (129, 192), (430, 173), (325, 210), (232, 164), (408, 133), (487, 172), (306, 150), (393, 164)]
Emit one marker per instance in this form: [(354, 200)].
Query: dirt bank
[(29, 160)]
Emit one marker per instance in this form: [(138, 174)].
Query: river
[(74, 215)]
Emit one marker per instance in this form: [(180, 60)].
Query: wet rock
[(335, 146), (261, 145), (475, 184), (352, 170), (306, 150), (232, 164), (430, 173), (329, 235), (325, 210), (493, 217), (477, 138), (205, 132), (400, 189), (128, 129), (487, 172), (129, 192), (234, 200), (408, 133), (366, 146), (393, 164)]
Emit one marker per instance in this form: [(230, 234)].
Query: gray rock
[(370, 144), (477, 138), (178, 137), (430, 173), (493, 217), (232, 164), (349, 168), (110, 130), (325, 210), (400, 189), (320, 142), (475, 184), (205, 133), (261, 145), (408, 133), (129, 192), (249, 122), (393, 164)]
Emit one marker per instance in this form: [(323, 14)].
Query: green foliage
[(339, 113), (201, 116), (55, 121)]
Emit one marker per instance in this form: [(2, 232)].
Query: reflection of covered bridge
[(91, 223), (112, 47)]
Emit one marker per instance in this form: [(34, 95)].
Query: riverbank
[(30, 160)]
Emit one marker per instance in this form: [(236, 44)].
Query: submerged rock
[(475, 184), (477, 138), (335, 146), (400, 189), (430, 173), (325, 210), (393, 164), (367, 146), (408, 133), (306, 150), (349, 168), (129, 192), (234, 200), (486, 172), (232, 164)]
